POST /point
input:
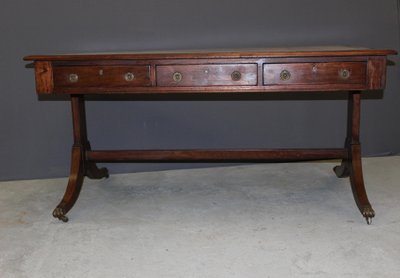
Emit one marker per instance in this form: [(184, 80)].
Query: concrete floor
[(263, 220)]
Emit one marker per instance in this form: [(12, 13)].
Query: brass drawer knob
[(129, 76), (73, 78), (177, 76), (236, 75), (285, 75), (344, 73)]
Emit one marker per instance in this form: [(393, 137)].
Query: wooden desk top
[(327, 68), (307, 51)]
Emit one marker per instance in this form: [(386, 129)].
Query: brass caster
[(59, 213), (368, 213)]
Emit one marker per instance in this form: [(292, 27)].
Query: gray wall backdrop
[(36, 136)]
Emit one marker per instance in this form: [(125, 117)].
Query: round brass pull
[(73, 78), (285, 75), (236, 75), (177, 76), (129, 76), (344, 73)]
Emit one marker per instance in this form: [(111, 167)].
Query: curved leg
[(353, 170), (342, 170), (74, 185), (94, 172), (357, 184)]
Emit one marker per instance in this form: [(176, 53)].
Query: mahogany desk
[(206, 72)]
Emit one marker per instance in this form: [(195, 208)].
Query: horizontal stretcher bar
[(216, 155)]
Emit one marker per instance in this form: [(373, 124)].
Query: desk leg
[(80, 167), (352, 167)]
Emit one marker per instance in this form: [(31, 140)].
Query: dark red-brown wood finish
[(224, 71)]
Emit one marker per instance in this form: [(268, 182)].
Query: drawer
[(315, 73), (101, 76), (207, 75)]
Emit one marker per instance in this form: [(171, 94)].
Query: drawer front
[(315, 73), (207, 75), (101, 76)]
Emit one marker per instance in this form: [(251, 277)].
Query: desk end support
[(352, 166), (80, 167)]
